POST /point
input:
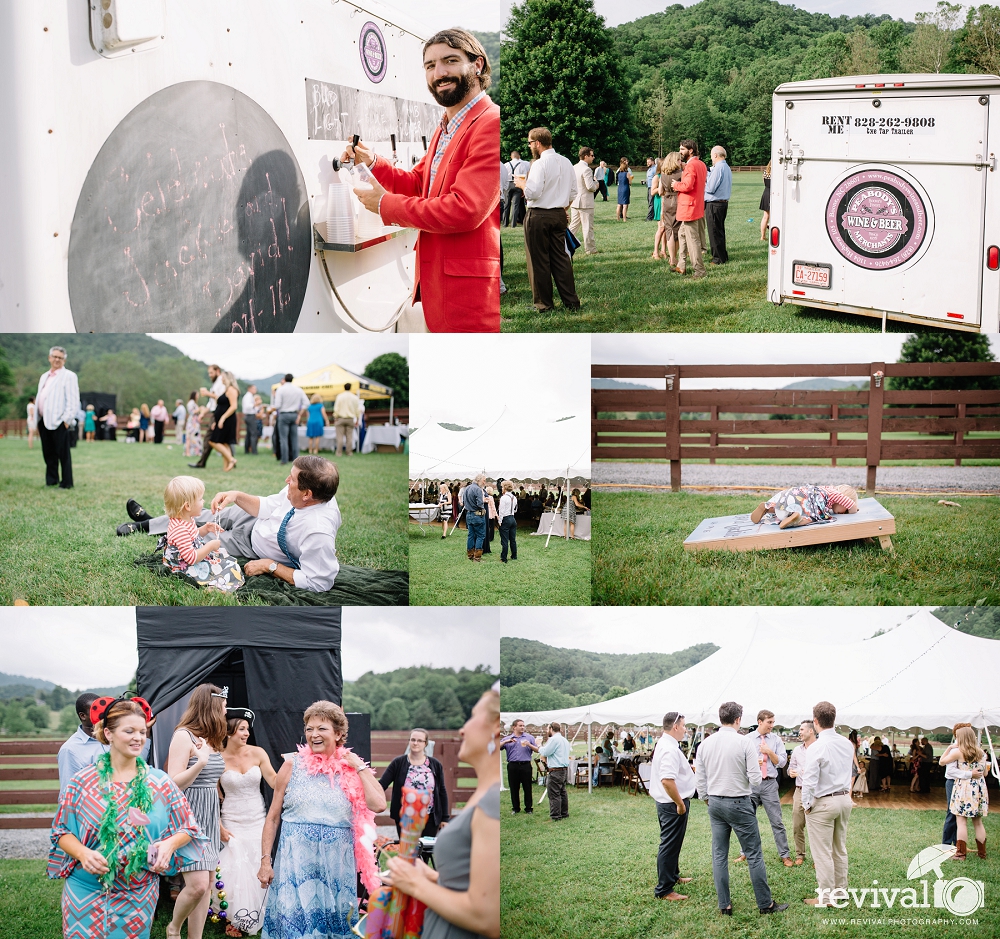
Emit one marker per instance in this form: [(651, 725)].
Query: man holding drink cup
[(519, 746)]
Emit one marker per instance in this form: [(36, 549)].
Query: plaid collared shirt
[(448, 130)]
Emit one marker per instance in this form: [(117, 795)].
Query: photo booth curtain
[(291, 658)]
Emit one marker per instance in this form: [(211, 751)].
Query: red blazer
[(691, 191), (458, 248)]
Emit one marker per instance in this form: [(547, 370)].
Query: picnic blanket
[(355, 586)]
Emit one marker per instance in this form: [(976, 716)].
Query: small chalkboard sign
[(194, 217)]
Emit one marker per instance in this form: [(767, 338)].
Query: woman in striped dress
[(444, 500), (195, 764)]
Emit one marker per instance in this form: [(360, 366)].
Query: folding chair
[(642, 777), (582, 775), (606, 771)]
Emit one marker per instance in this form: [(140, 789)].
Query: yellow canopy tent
[(329, 382)]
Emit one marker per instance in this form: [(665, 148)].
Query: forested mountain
[(534, 675), (981, 621)]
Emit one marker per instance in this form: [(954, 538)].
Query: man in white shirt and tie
[(671, 784), (56, 405), (249, 407), (291, 535), (826, 800), (727, 772), (549, 190), (581, 210), (291, 403), (772, 756)]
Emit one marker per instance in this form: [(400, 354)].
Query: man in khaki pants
[(807, 734), (826, 799), (581, 209), (346, 414)]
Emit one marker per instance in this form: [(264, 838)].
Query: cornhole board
[(738, 533)]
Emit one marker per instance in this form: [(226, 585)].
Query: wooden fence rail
[(386, 745), (941, 418)]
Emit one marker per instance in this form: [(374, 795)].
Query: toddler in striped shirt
[(184, 500), (804, 505)]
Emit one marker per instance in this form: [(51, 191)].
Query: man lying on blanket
[(291, 535)]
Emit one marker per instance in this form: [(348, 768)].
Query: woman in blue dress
[(317, 421), (624, 177), (326, 798)]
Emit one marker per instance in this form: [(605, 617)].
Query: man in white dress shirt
[(727, 772), (671, 784), (56, 405), (548, 190), (514, 207), (291, 403), (291, 535), (249, 408), (581, 212), (807, 734), (826, 800), (507, 513), (213, 394)]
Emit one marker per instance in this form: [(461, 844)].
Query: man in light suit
[(581, 210), (57, 403)]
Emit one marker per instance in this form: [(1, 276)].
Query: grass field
[(624, 290), (594, 875), (442, 575), (59, 546), (943, 556)]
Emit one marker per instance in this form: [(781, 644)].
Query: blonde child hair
[(848, 491), (507, 486), (181, 491)]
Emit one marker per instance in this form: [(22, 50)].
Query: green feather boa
[(109, 834)]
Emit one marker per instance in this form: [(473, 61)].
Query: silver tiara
[(224, 694)]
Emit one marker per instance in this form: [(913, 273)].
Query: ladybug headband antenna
[(223, 694), (243, 714), (99, 708)]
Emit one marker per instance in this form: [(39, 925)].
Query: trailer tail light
[(956, 316), (799, 293), (880, 85), (859, 86), (993, 257), (775, 237), (897, 84)]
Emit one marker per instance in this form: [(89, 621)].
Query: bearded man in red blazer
[(452, 196)]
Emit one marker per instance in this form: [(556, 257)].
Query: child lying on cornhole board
[(804, 505)]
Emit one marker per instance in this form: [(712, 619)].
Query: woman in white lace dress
[(242, 824)]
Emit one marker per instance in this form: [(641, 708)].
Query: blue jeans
[(729, 815), (950, 835), (477, 531), (288, 435)]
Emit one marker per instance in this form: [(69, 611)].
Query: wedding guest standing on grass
[(508, 522), (159, 416), (291, 403), (556, 752), (728, 772), (772, 756), (826, 800), (624, 178), (347, 411), (180, 419), (951, 774), (519, 747), (474, 501), (32, 423), (690, 208), (56, 405), (213, 394), (249, 407), (582, 207), (671, 784), (718, 189), (807, 734), (969, 796)]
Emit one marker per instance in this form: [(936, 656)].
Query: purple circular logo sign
[(373, 55), (876, 220)]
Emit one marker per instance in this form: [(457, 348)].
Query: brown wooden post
[(713, 440), (876, 394), (834, 415), (960, 434), (593, 427), (672, 407)]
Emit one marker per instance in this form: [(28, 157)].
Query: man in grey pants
[(772, 756), (291, 403), (556, 751), (726, 773)]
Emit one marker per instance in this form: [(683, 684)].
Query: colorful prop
[(218, 905), (391, 913)]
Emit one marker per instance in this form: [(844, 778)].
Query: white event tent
[(922, 674)]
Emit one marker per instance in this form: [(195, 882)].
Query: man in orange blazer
[(453, 194)]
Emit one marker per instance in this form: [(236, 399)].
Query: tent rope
[(889, 681)]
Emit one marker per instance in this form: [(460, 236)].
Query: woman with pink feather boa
[(327, 799)]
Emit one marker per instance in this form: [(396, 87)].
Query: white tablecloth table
[(386, 434), (582, 527), (425, 513)]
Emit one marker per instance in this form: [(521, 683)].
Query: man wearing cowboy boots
[(475, 517)]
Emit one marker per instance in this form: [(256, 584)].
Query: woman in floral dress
[(969, 797)]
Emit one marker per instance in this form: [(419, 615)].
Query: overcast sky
[(669, 629), (259, 355), (491, 15), (92, 647), (468, 379), (746, 349)]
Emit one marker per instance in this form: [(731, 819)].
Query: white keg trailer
[(885, 198), (166, 164)]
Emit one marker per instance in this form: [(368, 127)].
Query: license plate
[(812, 275)]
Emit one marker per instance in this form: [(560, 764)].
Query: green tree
[(888, 39), (16, 720), (979, 48), (68, 720), (561, 71), (933, 41), (946, 347), (58, 697), (616, 691), (356, 705), (38, 715), (392, 715), (6, 380), (422, 715), (531, 696), (393, 370), (829, 56), (862, 52), (653, 113)]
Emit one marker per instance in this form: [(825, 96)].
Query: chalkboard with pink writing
[(193, 218)]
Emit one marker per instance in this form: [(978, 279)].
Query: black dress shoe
[(196, 465), (136, 512), (775, 908), (131, 528), (728, 911)]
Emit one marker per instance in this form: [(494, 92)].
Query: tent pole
[(552, 521), (590, 751), (390, 409), (568, 497)]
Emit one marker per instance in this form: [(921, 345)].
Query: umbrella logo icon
[(960, 896)]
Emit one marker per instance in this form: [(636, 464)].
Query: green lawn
[(594, 875), (442, 575), (59, 546), (943, 556), (623, 290)]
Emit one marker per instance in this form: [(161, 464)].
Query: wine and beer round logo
[(373, 55), (876, 219)]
